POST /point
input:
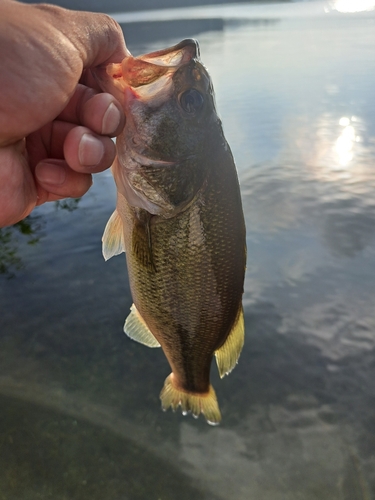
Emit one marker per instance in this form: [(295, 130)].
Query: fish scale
[(179, 219)]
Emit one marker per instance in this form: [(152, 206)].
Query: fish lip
[(184, 43), (104, 82), (146, 161), (147, 158)]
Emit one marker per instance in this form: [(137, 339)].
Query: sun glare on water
[(345, 142), (353, 5)]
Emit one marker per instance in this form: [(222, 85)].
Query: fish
[(180, 221)]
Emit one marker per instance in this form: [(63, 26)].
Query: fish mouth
[(144, 156), (175, 56), (149, 77), (143, 77), (148, 159), (146, 79)]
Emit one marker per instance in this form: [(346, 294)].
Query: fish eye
[(191, 101)]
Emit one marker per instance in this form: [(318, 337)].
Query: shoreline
[(116, 6)]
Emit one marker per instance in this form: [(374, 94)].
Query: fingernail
[(90, 151), (111, 120), (49, 173)]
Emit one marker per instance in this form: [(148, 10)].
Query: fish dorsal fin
[(113, 237), (228, 354), (136, 329)]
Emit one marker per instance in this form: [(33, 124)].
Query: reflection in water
[(347, 233), (299, 441), (352, 5), (78, 459), (297, 102), (149, 32), (141, 36), (339, 326), (69, 204), (30, 231), (335, 149), (345, 141)]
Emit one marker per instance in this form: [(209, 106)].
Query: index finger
[(98, 37), (94, 110)]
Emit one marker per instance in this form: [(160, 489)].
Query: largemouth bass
[(179, 219)]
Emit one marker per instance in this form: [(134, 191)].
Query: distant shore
[(134, 5)]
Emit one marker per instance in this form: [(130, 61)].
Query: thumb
[(56, 180)]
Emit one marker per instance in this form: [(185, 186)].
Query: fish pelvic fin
[(136, 329), (228, 354), (196, 403), (113, 237)]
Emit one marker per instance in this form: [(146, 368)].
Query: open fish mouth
[(176, 55), (148, 75)]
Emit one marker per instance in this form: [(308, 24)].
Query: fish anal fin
[(196, 403), (228, 354), (113, 237), (136, 328), (141, 240)]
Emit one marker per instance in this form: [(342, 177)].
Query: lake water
[(80, 413)]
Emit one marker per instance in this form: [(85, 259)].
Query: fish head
[(172, 129)]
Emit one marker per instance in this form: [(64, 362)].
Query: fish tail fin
[(195, 403)]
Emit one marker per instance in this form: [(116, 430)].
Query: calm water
[(80, 413)]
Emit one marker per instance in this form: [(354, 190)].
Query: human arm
[(54, 131)]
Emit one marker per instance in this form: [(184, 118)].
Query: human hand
[(54, 131)]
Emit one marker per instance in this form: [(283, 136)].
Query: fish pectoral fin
[(228, 354), (196, 403), (141, 243), (113, 237), (136, 329)]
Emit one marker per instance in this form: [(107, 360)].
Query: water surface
[(80, 411)]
